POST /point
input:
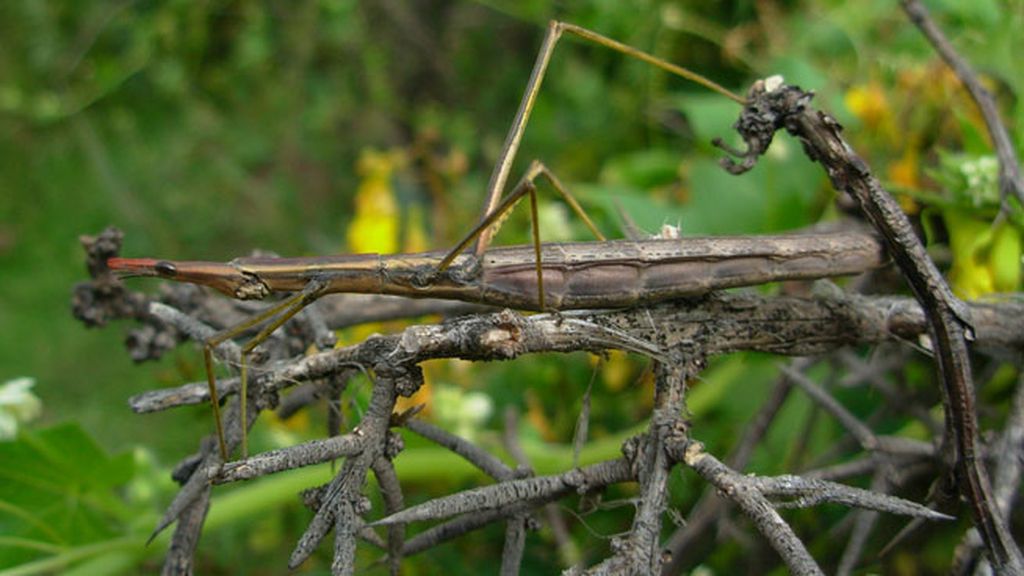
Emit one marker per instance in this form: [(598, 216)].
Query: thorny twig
[(567, 549), (708, 509), (652, 461), (1009, 456), (711, 325), (181, 553), (725, 323), (753, 503)]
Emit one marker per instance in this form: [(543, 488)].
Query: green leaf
[(800, 71), (635, 205), (644, 169), (709, 116), (56, 486), (778, 194)]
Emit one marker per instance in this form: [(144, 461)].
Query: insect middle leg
[(492, 221)]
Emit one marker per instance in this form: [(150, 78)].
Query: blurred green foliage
[(207, 129)]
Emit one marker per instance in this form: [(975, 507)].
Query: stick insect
[(598, 274)]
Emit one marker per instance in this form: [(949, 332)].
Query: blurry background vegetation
[(207, 129)]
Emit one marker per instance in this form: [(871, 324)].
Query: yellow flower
[(375, 225), (905, 172), (868, 102), (986, 259)]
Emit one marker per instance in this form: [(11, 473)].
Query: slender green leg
[(536, 247), (503, 167), (540, 169), (278, 315), (214, 400), (522, 188)]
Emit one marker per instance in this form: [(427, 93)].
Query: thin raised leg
[(503, 167)]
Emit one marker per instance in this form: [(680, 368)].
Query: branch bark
[(773, 106)]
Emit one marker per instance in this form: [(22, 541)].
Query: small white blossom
[(17, 405), (982, 177)]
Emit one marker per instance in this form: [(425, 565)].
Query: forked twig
[(774, 106)]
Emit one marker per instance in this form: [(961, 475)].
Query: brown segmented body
[(610, 274)]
